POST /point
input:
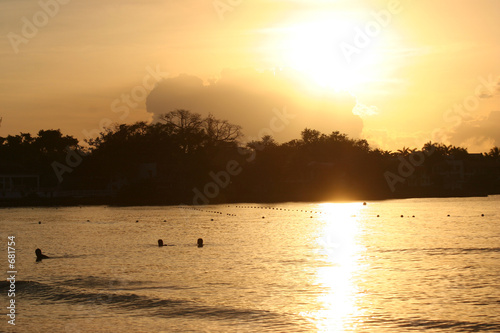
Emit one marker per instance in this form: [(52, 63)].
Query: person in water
[(200, 242), (39, 255), (160, 243)]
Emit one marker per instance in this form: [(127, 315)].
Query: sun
[(312, 48)]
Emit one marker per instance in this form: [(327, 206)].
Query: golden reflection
[(337, 242)]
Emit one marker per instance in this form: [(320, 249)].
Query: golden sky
[(396, 72)]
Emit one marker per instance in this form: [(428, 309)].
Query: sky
[(395, 72)]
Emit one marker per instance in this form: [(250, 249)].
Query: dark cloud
[(251, 99)]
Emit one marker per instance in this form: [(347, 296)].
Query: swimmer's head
[(160, 242), (39, 255), (200, 242)]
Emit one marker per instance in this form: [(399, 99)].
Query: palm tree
[(429, 147), (405, 151), (458, 151), (494, 152)]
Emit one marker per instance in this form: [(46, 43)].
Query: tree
[(183, 120), (310, 136), (429, 147), (445, 149), (265, 142), (220, 131), (53, 142), (336, 136), (194, 132), (494, 152), (405, 151), (458, 151), (362, 145), (187, 127)]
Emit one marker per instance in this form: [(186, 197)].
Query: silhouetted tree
[(405, 151), (187, 127), (310, 136), (494, 152), (188, 151), (220, 131)]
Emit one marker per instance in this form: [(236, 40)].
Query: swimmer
[(39, 255), (200, 242), (160, 243)]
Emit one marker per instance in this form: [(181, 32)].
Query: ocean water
[(292, 267)]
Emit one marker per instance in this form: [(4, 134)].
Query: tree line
[(190, 159)]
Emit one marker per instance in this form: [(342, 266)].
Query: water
[(294, 267)]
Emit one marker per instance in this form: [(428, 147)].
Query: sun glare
[(312, 47)]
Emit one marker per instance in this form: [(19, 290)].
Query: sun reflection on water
[(337, 243)]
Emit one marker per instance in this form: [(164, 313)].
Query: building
[(14, 186)]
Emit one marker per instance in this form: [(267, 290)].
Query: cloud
[(484, 95), (479, 134), (250, 98), (389, 140), (363, 110)]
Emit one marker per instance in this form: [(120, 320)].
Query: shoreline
[(112, 202)]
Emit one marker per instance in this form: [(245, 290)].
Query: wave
[(444, 251), (415, 324), (98, 282), (70, 291), (456, 326)]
